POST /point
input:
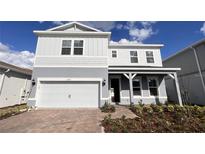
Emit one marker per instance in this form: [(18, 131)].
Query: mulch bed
[(159, 119), (12, 110)]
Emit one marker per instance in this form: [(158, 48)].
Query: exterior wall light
[(103, 82), (33, 82)]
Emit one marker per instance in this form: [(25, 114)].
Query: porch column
[(131, 88), (177, 88)]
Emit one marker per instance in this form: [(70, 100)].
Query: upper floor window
[(114, 54), (136, 87), (133, 57), (153, 87), (150, 56), (66, 47), (78, 47)]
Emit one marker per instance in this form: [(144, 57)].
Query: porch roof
[(142, 70)]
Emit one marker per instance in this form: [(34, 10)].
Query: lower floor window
[(153, 88), (136, 87)]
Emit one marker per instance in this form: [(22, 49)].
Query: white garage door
[(58, 94)]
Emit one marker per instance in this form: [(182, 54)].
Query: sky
[(18, 43)]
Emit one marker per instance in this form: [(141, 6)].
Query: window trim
[(150, 57), (140, 79), (72, 47), (134, 57), (64, 48), (78, 47), (157, 82), (115, 53)]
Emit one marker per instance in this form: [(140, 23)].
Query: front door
[(116, 90)]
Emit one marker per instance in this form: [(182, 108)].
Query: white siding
[(51, 46), (123, 57), (12, 89), (71, 61)]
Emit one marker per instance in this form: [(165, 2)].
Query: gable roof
[(74, 24)]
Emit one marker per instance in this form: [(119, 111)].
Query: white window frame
[(140, 80), (157, 82), (72, 46), (78, 47), (114, 53), (131, 56), (150, 57)]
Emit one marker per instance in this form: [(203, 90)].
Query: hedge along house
[(14, 84), (77, 66)]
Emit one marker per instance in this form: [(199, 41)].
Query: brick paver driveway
[(58, 121)]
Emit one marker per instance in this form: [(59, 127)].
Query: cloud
[(104, 25), (58, 23), (125, 41), (18, 58), (140, 34), (3, 47), (138, 31), (119, 26), (203, 29)]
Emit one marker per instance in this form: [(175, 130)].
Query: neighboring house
[(14, 84), (77, 66), (191, 60)]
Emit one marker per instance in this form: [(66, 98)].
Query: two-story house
[(77, 66)]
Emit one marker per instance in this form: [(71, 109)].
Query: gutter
[(199, 68)]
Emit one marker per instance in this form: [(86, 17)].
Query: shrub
[(170, 108), (108, 108), (148, 109), (157, 108), (137, 109)]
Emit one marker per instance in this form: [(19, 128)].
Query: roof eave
[(136, 45), (69, 33)]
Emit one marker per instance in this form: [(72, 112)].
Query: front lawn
[(159, 119), (12, 110)]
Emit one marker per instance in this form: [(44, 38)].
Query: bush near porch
[(12, 110), (159, 119), (108, 108)]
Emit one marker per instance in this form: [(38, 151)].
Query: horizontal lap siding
[(123, 57)]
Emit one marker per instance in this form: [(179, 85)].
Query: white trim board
[(153, 97), (68, 66)]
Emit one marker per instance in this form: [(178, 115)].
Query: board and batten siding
[(51, 46), (123, 57), (48, 51)]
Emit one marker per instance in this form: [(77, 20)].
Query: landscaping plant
[(159, 118), (108, 108)]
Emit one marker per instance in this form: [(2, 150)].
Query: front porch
[(140, 85)]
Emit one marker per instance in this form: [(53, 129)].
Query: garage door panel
[(68, 94)]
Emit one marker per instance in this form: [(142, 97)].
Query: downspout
[(199, 68), (2, 80)]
